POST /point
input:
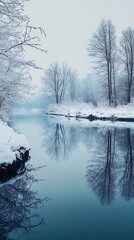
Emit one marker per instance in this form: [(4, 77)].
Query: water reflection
[(101, 174), (19, 204), (127, 179), (110, 158), (60, 141), (113, 168)]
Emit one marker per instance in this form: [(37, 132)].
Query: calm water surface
[(88, 179)]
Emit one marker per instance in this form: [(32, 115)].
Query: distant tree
[(127, 59), (103, 49), (72, 84), (87, 91), (55, 81)]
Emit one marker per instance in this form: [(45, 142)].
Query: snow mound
[(10, 142)]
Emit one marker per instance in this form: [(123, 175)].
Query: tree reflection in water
[(127, 179), (111, 167), (57, 142), (101, 174), (19, 204), (73, 139)]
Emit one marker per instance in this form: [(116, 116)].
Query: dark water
[(88, 181)]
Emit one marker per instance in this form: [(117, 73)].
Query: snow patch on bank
[(85, 109), (66, 121), (10, 142)]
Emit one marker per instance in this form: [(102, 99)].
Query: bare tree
[(103, 48), (127, 59), (55, 81)]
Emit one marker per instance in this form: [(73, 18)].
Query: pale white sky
[(70, 23)]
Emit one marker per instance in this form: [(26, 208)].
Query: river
[(83, 178)]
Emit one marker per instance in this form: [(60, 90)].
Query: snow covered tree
[(127, 59), (55, 81), (102, 48), (16, 36)]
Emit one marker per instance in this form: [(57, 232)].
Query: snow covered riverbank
[(84, 110), (10, 144)]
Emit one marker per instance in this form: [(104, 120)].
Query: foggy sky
[(70, 23)]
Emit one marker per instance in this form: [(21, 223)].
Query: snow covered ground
[(84, 110), (10, 142), (76, 112)]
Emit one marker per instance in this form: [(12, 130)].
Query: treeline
[(113, 62), (61, 83), (16, 36)]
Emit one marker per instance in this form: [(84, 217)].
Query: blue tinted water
[(88, 179)]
